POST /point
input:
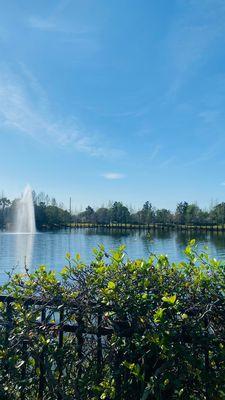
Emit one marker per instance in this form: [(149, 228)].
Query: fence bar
[(60, 345), (42, 364), (117, 365), (9, 325), (207, 363), (99, 346), (80, 342), (24, 366)]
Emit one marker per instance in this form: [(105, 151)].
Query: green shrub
[(163, 327)]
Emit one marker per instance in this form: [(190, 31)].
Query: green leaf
[(111, 285), (188, 251), (170, 300), (64, 271), (158, 316)]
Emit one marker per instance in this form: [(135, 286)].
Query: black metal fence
[(60, 328), (71, 354)]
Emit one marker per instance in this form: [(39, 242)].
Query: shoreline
[(156, 226)]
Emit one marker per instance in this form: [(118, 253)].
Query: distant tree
[(164, 216), (102, 215), (34, 194), (41, 198), (135, 218), (40, 215), (87, 216), (192, 214), (180, 214), (147, 213), (204, 217), (217, 214), (4, 204), (119, 213), (54, 202), (56, 216), (47, 200)]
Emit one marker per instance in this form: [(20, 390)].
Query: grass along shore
[(156, 226)]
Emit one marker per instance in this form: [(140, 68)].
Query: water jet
[(24, 220)]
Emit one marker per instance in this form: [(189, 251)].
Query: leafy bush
[(146, 329)]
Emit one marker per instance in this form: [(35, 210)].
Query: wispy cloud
[(52, 22), (43, 24), (22, 111), (79, 32), (167, 162), (210, 153), (154, 152), (113, 175), (191, 40), (52, 25), (126, 113)]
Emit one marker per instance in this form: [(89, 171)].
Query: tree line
[(185, 213), (50, 214)]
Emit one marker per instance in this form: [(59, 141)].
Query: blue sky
[(113, 100)]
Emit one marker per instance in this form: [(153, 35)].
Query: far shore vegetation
[(49, 214)]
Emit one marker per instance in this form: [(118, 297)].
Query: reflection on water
[(24, 250), (16, 251), (49, 248)]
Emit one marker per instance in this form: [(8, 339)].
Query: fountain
[(24, 221)]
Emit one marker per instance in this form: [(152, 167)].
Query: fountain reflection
[(24, 244)]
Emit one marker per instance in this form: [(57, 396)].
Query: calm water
[(49, 248)]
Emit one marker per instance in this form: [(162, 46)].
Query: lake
[(49, 248)]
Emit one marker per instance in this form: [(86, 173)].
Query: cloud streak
[(154, 153), (113, 175), (167, 162), (51, 25), (25, 109), (191, 40), (72, 31)]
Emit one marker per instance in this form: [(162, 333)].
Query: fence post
[(60, 345), (24, 366), (9, 320), (8, 329), (42, 364), (207, 363), (118, 381), (99, 346), (80, 342)]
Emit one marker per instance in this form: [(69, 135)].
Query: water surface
[(49, 248)]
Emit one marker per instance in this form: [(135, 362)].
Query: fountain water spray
[(24, 213)]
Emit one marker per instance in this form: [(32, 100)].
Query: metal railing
[(45, 308)]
